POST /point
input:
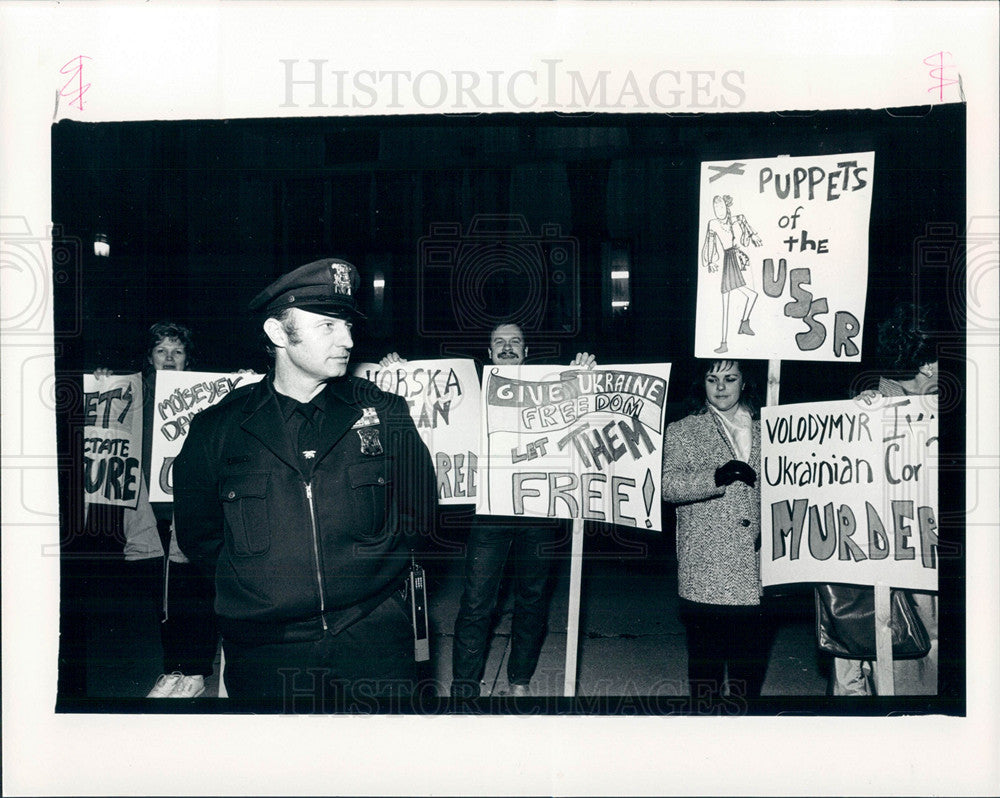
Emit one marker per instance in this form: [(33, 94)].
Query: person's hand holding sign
[(868, 396)]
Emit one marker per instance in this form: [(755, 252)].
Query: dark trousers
[(721, 637), (371, 658), (124, 651), (189, 632), (487, 552)]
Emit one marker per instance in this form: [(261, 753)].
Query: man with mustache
[(491, 539), (304, 494)]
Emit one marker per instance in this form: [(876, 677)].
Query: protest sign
[(849, 493), (783, 257), (112, 439), (574, 443), (443, 397), (179, 396)]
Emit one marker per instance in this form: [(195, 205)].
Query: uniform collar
[(265, 417), (264, 389), (288, 405)]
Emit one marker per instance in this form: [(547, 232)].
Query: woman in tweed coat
[(710, 463)]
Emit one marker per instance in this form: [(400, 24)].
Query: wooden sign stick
[(773, 382), (573, 617), (223, 693), (884, 684)]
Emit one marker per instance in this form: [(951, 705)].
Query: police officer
[(303, 494)]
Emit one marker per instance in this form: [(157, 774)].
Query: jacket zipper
[(315, 534)]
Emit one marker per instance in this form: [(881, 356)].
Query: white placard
[(574, 443), (443, 397), (179, 396), (849, 493), (112, 439), (783, 257)]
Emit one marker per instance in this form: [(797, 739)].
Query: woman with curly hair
[(911, 353), (188, 629), (710, 463), (159, 573)]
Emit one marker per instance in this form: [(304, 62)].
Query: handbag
[(845, 623)]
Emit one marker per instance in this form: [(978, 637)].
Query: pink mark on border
[(74, 87), (937, 73)]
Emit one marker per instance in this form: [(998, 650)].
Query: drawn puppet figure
[(720, 237)]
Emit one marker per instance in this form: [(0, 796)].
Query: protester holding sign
[(491, 539), (170, 347), (174, 599), (182, 597), (710, 464), (911, 351), (189, 634)]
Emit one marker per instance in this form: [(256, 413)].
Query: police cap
[(327, 286)]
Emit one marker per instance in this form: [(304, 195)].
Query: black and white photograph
[(506, 406), (491, 239)]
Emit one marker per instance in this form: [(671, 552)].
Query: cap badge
[(341, 278)]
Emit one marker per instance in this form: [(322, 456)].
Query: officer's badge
[(369, 418), (370, 443), (341, 278)]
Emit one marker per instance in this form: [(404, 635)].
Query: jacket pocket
[(244, 503), (370, 481)]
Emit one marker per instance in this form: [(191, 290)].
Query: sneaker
[(165, 685), (520, 690), (188, 687)]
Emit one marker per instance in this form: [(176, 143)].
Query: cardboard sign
[(443, 397), (112, 439), (849, 493), (179, 397), (574, 443), (783, 257)]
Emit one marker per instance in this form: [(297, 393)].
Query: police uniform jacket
[(296, 551), (717, 527)]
